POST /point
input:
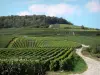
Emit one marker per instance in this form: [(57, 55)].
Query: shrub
[(82, 27)]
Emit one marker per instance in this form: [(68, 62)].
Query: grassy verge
[(80, 66), (90, 55)]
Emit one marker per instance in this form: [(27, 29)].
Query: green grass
[(80, 66), (88, 40), (75, 27), (4, 39), (69, 26)]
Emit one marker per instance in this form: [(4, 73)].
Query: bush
[(97, 55), (98, 34), (96, 49), (89, 49), (82, 27)]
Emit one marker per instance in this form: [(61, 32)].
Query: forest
[(34, 21)]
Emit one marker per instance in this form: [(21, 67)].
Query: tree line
[(35, 21)]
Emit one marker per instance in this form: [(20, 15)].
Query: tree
[(82, 27), (36, 21)]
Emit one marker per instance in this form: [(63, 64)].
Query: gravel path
[(93, 65)]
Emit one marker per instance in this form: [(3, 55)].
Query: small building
[(54, 26)]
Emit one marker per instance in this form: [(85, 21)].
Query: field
[(33, 51), (45, 32), (46, 52)]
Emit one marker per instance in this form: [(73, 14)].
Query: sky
[(79, 12)]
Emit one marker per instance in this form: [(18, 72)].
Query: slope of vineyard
[(39, 58), (35, 56)]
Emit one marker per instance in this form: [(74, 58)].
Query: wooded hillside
[(35, 21)]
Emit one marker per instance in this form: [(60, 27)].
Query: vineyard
[(35, 51), (35, 56), (31, 42)]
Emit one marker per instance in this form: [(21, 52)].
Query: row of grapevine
[(30, 42), (8, 67), (38, 54)]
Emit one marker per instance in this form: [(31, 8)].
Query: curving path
[(93, 65)]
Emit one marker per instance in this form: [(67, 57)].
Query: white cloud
[(38, 8), (52, 10), (60, 9), (93, 6), (23, 13)]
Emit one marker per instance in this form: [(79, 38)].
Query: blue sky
[(79, 12)]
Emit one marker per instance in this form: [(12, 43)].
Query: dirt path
[(93, 65)]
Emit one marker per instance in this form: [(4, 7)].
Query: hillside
[(34, 21), (46, 49)]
